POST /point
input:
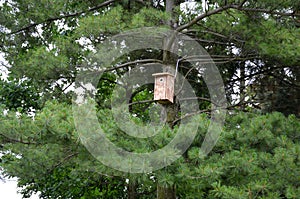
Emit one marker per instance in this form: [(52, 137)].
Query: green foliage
[(67, 182), (149, 17), (45, 154), (147, 112), (104, 91), (43, 63), (257, 156), (280, 43), (19, 95), (110, 21)]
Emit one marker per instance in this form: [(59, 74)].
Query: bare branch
[(190, 115), (209, 110), (214, 42), (218, 59), (242, 3), (198, 98), (133, 62)]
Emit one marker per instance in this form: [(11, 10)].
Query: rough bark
[(170, 110), (166, 193), (132, 190), (242, 85)]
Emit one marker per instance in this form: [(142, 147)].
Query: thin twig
[(62, 161), (267, 11), (142, 102)]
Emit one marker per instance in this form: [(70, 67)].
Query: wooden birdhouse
[(164, 87)]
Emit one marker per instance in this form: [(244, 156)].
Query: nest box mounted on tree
[(164, 87)]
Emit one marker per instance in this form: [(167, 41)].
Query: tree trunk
[(166, 193), (131, 190), (297, 87), (170, 110), (169, 116), (242, 85)]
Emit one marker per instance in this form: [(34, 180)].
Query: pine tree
[(46, 43)]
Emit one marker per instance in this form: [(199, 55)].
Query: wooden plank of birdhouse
[(170, 88)]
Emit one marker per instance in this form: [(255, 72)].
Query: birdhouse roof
[(162, 74)]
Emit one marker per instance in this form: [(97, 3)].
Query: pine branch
[(237, 7), (267, 11), (202, 16), (12, 140), (63, 17), (209, 110)]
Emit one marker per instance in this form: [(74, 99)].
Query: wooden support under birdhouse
[(164, 87)]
